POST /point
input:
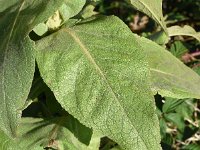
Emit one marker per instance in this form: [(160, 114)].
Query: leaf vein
[(89, 56)]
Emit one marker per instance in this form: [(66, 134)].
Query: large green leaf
[(185, 30), (17, 62), (99, 75), (153, 8), (169, 76), (63, 133)]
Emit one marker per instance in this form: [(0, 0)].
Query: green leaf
[(163, 127), (185, 31), (159, 37), (58, 133), (169, 76), (97, 78), (171, 104), (7, 144), (152, 8), (88, 11), (178, 49), (71, 8), (197, 70), (68, 9), (186, 109), (17, 62), (191, 147), (177, 119), (41, 29), (168, 140), (5, 4)]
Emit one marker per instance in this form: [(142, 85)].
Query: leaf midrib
[(89, 56)]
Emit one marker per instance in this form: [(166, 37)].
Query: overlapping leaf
[(63, 133), (68, 9), (99, 75), (71, 8), (152, 8), (16, 55), (185, 30), (169, 76)]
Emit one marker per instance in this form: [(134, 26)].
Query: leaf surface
[(169, 76), (171, 104), (152, 8), (59, 133), (8, 144), (95, 70), (185, 30), (17, 62), (71, 8), (5, 4), (68, 9)]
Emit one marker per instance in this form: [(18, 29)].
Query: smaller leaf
[(58, 133), (159, 37), (71, 8), (191, 147), (67, 10), (177, 120), (178, 49), (167, 140), (197, 70), (185, 31), (186, 109), (41, 29), (88, 11), (171, 104), (169, 76)]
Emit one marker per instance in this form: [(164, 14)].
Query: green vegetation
[(99, 75)]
